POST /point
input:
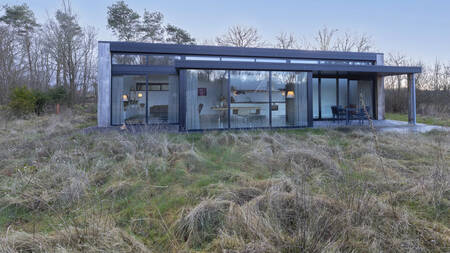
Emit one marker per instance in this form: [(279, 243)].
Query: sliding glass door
[(220, 99), (340, 92)]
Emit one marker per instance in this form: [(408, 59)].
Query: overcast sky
[(420, 29)]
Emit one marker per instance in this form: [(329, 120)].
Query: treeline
[(432, 87), (37, 57)]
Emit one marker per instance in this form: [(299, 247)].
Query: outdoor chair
[(361, 115), (338, 112)]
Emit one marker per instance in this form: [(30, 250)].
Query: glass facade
[(229, 99), (219, 99)]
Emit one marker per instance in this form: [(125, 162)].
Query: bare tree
[(286, 41), (11, 63), (305, 44), (363, 43), (345, 43), (72, 52), (349, 42), (324, 38), (397, 59), (88, 67), (240, 36)]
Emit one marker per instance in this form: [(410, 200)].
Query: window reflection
[(162, 99), (249, 99), (129, 59), (141, 59), (206, 94), (328, 96), (289, 99), (128, 100)]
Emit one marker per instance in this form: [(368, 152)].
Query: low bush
[(23, 101)]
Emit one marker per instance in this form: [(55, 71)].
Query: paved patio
[(382, 126)]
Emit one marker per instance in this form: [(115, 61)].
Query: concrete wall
[(104, 85), (380, 90)]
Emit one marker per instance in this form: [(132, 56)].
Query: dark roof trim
[(383, 70), (140, 47)]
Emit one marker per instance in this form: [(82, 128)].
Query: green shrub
[(57, 95), (22, 101), (41, 99)]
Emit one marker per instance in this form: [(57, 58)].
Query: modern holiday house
[(213, 87)]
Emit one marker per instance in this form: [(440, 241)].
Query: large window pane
[(289, 99), (249, 99), (315, 98), (366, 94), (342, 92), (328, 96), (162, 59), (129, 59), (162, 99), (141, 59), (128, 99), (206, 99), (361, 93), (353, 93)]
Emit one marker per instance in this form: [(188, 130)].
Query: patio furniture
[(361, 115), (338, 112)]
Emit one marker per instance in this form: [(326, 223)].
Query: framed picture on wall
[(201, 92)]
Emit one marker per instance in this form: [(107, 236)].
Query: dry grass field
[(307, 190)]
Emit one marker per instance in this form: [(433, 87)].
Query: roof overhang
[(203, 50), (233, 65)]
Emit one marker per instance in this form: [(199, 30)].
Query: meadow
[(63, 189)]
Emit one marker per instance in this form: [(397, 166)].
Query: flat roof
[(204, 50)]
